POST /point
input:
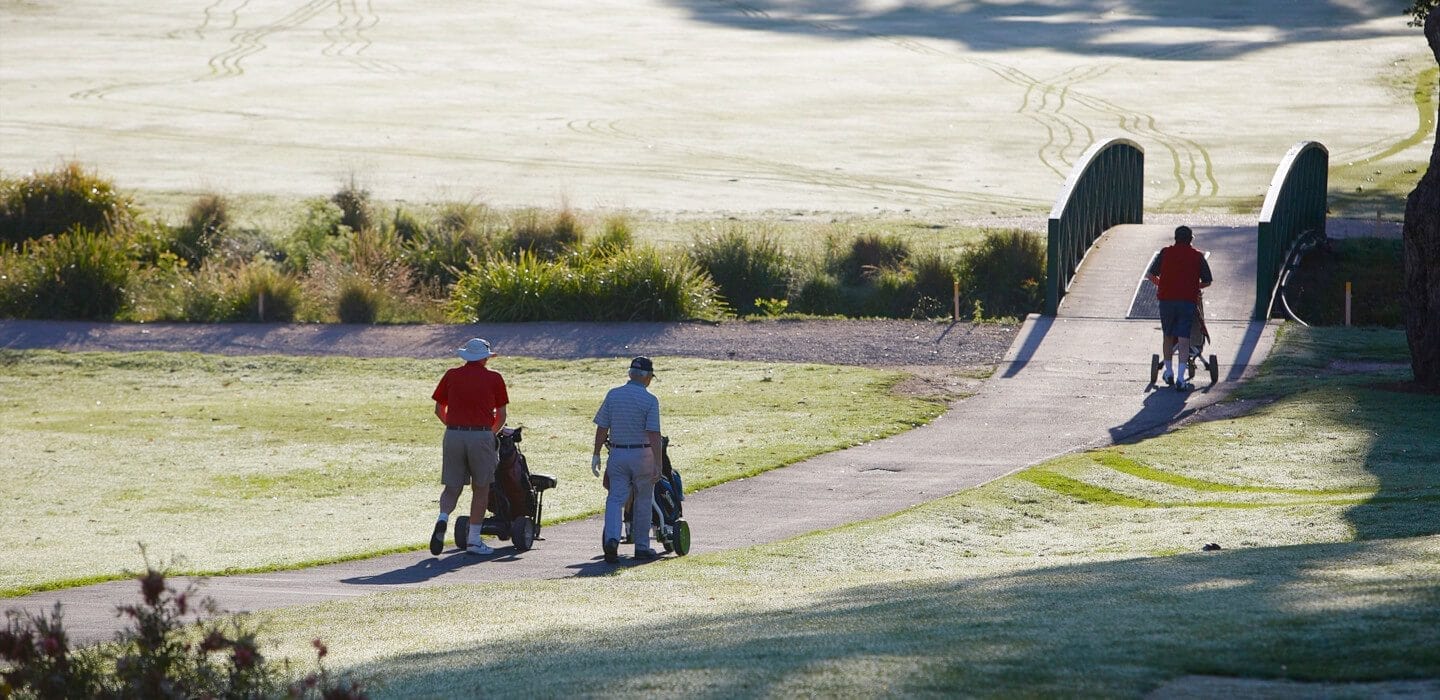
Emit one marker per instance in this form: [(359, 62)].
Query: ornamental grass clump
[(639, 284), (79, 274), (157, 655), (546, 236), (206, 223), (1004, 273), (67, 198), (746, 266), (446, 247)]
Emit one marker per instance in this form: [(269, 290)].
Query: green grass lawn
[(1081, 576), (250, 463)]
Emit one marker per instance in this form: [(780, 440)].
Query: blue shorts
[(1176, 318)]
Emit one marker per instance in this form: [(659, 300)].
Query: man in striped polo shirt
[(629, 419)]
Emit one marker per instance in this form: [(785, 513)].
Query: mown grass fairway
[(1081, 576), (244, 463)]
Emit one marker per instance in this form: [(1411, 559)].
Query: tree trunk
[(1422, 256)]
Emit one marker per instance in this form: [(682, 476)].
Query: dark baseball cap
[(643, 364)]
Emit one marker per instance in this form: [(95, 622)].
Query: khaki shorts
[(468, 456)]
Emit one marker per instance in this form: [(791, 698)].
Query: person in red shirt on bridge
[(1179, 273), (471, 401)]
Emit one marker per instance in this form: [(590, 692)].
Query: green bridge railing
[(1294, 205), (1106, 188)]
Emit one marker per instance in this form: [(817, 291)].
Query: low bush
[(746, 267), (524, 288), (642, 284), (206, 224), (255, 291), (358, 301), (78, 274), (865, 256), (445, 248), (545, 236), (318, 232), (1005, 273), (157, 655), (818, 293), (356, 212), (67, 198), (631, 285)]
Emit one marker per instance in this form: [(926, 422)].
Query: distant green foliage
[(319, 231), (747, 266), (79, 274), (1005, 273), (67, 198), (440, 250)]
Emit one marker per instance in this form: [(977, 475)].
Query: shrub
[(891, 294), (867, 255), (51, 203), (353, 201), (633, 285), (746, 267), (76, 275), (261, 291), (616, 236), (359, 301), (641, 284), (156, 655), (547, 237), (444, 250), (819, 293), (525, 288), (318, 232), (253, 291), (206, 223), (1005, 273)]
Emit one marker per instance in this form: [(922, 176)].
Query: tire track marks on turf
[(1046, 103), (247, 43), (349, 39)]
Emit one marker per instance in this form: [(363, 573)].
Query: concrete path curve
[(1070, 382)]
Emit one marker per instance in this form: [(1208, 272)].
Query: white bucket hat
[(475, 349)]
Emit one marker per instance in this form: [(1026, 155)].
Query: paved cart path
[(1068, 382)]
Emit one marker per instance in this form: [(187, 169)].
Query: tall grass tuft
[(641, 284), (51, 203), (524, 288), (867, 255), (356, 212), (547, 236), (78, 274), (631, 285), (445, 247), (1005, 273), (617, 235), (206, 224), (747, 267)]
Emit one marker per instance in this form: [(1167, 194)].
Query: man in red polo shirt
[(470, 401), (1179, 273)]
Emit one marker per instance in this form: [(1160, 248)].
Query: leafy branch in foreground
[(156, 655)]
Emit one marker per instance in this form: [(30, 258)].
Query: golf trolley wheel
[(1155, 365), (462, 532), (522, 533), (1214, 370), (667, 540), (682, 537)]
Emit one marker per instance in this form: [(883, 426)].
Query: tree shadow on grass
[(1086, 27), (1120, 627)]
